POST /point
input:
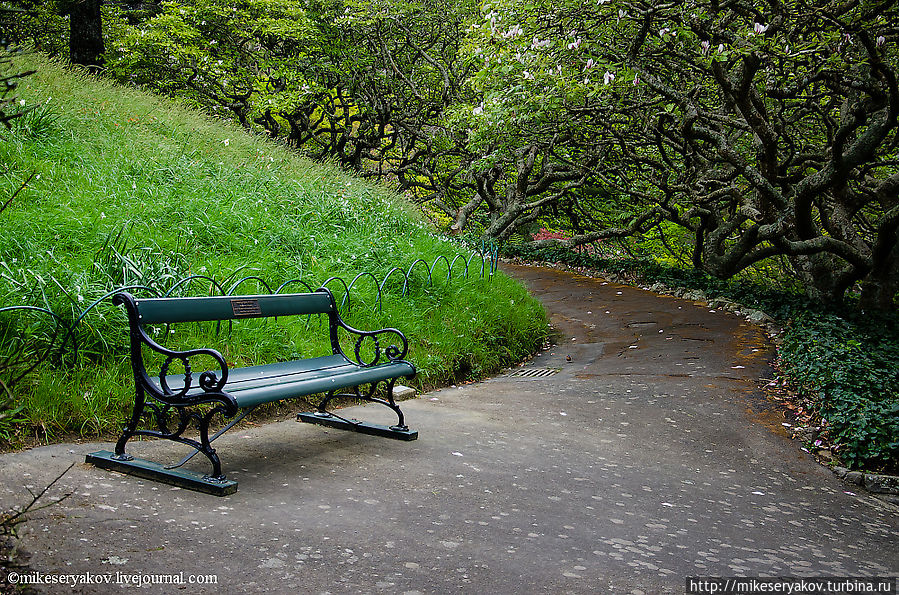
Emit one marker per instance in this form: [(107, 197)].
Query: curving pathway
[(634, 453)]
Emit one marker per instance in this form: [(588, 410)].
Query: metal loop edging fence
[(488, 256)]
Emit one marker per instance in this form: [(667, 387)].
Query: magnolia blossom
[(720, 48), (664, 31), (880, 40), (478, 110), (760, 28), (574, 44), (705, 47), (527, 75), (608, 77), (590, 63), (514, 31)]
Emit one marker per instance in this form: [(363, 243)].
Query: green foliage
[(729, 121), (848, 367), (134, 190)]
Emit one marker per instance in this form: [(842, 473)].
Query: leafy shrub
[(848, 368)]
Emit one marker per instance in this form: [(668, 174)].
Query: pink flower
[(760, 28)]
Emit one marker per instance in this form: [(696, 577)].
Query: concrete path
[(647, 458)]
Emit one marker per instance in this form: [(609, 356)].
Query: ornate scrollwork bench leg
[(215, 483), (323, 417)]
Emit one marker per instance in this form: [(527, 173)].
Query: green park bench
[(169, 411)]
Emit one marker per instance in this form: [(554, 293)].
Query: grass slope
[(133, 189)]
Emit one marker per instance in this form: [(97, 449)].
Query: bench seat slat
[(325, 363), (312, 383), (254, 385)]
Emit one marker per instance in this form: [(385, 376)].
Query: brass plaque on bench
[(246, 308)]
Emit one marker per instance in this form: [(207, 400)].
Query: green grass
[(133, 189)]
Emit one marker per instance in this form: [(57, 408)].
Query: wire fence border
[(489, 257)]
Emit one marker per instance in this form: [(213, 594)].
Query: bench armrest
[(392, 352), (209, 381)]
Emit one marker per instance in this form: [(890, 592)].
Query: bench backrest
[(201, 309)]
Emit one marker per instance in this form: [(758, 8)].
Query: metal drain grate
[(533, 373)]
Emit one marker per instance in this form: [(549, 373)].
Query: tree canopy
[(758, 129)]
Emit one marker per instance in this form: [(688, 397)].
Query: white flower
[(226, 142), (608, 77), (720, 48), (880, 40), (478, 110), (760, 28), (590, 63), (514, 31), (528, 76), (705, 47)]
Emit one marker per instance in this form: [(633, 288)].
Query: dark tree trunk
[(86, 33)]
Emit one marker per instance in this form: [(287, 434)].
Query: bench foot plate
[(357, 426), (149, 470)]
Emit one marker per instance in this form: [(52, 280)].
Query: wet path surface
[(634, 453)]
